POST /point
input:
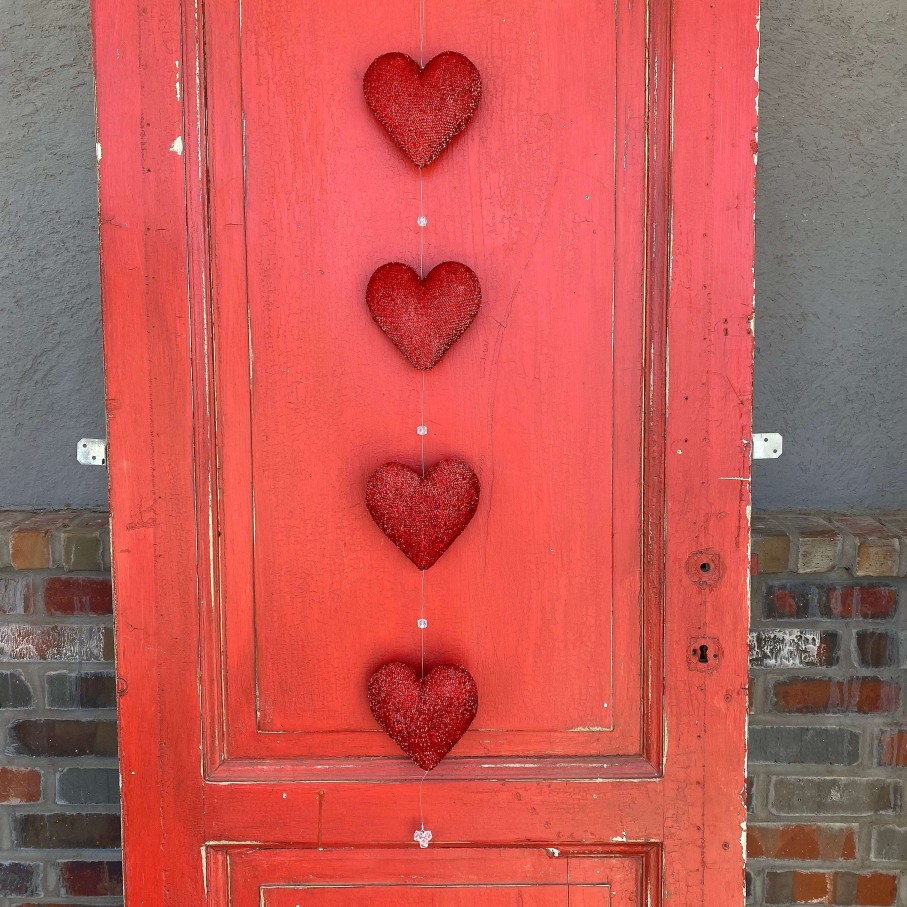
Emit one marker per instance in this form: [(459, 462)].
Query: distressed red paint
[(246, 566)]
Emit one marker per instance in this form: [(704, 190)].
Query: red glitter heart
[(422, 109), (425, 718), (423, 515), (424, 318)]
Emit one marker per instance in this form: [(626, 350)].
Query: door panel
[(545, 395), (437, 878), (604, 195), (396, 896)]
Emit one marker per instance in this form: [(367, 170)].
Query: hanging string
[(421, 814), (423, 623), (422, 221), (424, 428), (421, 32), (423, 836)]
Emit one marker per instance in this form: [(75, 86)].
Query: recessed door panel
[(545, 197), (443, 877), (429, 896)]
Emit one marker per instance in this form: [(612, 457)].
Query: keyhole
[(704, 654)]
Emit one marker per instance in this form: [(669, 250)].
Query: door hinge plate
[(767, 445), (92, 451)]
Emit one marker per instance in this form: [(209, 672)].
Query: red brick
[(19, 785), (763, 523), (893, 749), (95, 520), (10, 519), (66, 831), (863, 695), (878, 890), (783, 603), (877, 649), (802, 842), (811, 887), (801, 522), (78, 595), (793, 648), (18, 878), (58, 737), (863, 527), (790, 601), (33, 642), (839, 888), (866, 602), (104, 878)]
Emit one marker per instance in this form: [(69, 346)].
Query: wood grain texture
[(438, 877), (549, 341), (603, 392), (139, 58)]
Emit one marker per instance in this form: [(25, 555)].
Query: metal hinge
[(767, 445), (92, 451)]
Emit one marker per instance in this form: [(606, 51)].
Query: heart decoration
[(422, 109), (422, 515), (424, 318), (426, 717)]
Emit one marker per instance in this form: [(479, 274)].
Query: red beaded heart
[(423, 515), (425, 718), (423, 317), (422, 109)]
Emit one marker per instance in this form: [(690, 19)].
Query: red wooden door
[(603, 193)]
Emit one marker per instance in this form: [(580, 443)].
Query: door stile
[(146, 331), (709, 403)]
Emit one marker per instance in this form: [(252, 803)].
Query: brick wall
[(828, 735), (59, 787)]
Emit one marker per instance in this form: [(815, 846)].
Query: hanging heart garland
[(426, 717), (422, 109), (423, 515), (424, 317)]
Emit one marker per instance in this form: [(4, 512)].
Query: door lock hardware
[(704, 654)]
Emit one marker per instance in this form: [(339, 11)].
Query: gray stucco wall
[(51, 381), (831, 259), (831, 255)]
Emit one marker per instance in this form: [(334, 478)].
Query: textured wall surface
[(51, 381), (827, 733), (831, 259), (832, 270), (59, 784), (827, 742)]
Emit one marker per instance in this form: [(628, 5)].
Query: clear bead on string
[(422, 836)]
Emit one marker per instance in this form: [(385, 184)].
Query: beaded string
[(422, 835)]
